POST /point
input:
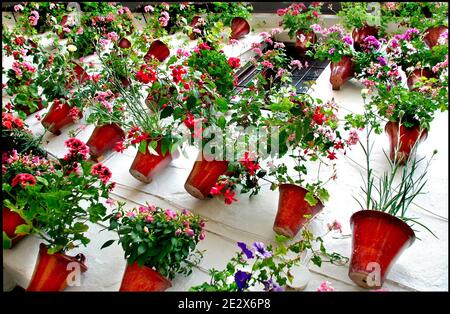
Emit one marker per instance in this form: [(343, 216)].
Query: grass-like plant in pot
[(336, 46), (297, 19), (382, 230), (56, 205), (158, 244), (270, 268)]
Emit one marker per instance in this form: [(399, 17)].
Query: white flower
[(364, 91), (72, 48)]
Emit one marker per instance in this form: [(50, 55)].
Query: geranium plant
[(333, 45), (162, 239), (299, 17), (268, 267), (357, 15)]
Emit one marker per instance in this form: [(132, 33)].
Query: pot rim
[(66, 258), (319, 202), (385, 216)]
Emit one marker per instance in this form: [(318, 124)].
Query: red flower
[(77, 150), (319, 117), (102, 172), (7, 124), (189, 122), (338, 145), (23, 179), (249, 164), (204, 46), (229, 196), (146, 75), (119, 147), (217, 188), (177, 73), (234, 62), (315, 13), (331, 155)]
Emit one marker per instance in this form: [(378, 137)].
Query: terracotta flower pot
[(408, 138), (378, 240), (301, 45), (143, 278), (292, 209), (341, 72), (145, 166), (124, 43), (432, 35), (415, 76), (52, 271), (239, 28), (58, 117), (79, 74), (104, 138), (158, 50), (358, 35), (204, 176), (11, 220), (27, 110)]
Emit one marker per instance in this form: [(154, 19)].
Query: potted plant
[(56, 204), (297, 19), (158, 244), (335, 46), (355, 17), (382, 230), (409, 114), (269, 268)]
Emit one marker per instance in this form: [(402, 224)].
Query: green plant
[(225, 11), (299, 17), (158, 238), (268, 266), (333, 45), (57, 199), (356, 15)]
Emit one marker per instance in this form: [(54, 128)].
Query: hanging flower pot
[(59, 116), (378, 240), (104, 138), (204, 176), (239, 28), (358, 35), (146, 165), (408, 137), (304, 38), (11, 220), (52, 270), (158, 50), (292, 209), (432, 34), (341, 72), (415, 76), (143, 278)]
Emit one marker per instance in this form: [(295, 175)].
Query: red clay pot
[(301, 46), (158, 50), (124, 43), (239, 28), (58, 117), (27, 110), (51, 271), (204, 176), (415, 76), (432, 35), (378, 238), (143, 278), (341, 72), (292, 209), (79, 74), (11, 220), (145, 166), (359, 34), (408, 138), (104, 138)]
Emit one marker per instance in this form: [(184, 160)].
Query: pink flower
[(202, 235), (148, 8), (353, 138), (112, 36), (331, 51), (316, 27), (28, 66), (267, 64), (178, 232), (102, 172), (149, 218), (164, 19), (336, 225), (33, 18), (18, 7), (325, 287), (170, 214), (80, 31), (189, 232), (16, 68), (257, 51), (110, 202), (279, 45), (296, 63)]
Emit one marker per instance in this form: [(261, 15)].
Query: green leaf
[(166, 112), (142, 248), (323, 194), (309, 197), (142, 147), (23, 229), (42, 180), (7, 243), (107, 243)]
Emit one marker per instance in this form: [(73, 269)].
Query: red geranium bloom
[(234, 62), (23, 179), (146, 75), (332, 155), (189, 121), (229, 196), (319, 117), (119, 147)]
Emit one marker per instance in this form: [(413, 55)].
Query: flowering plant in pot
[(225, 12), (158, 244), (57, 204), (308, 132), (297, 19), (382, 229), (16, 136), (409, 114), (270, 268), (66, 84), (336, 46), (357, 18)]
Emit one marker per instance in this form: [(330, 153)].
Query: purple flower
[(371, 42), (272, 286), (242, 278), (382, 61), (260, 250), (245, 250), (347, 40), (331, 51)]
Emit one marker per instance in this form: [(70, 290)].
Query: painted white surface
[(424, 266)]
